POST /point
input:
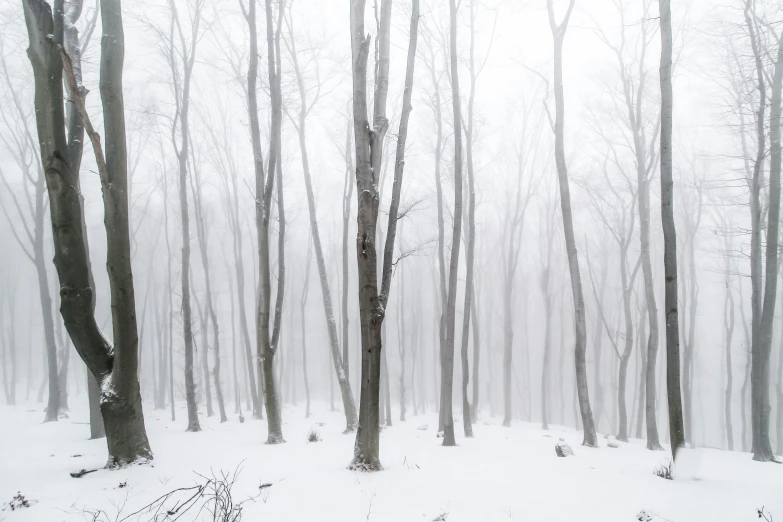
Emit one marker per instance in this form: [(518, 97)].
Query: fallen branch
[(82, 472)]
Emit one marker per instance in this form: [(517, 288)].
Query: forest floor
[(501, 474)]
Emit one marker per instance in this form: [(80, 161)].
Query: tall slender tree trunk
[(760, 367), (302, 306), (625, 356), (401, 340), (674, 392), (115, 368), (558, 34), (339, 361), (347, 198), (728, 337), (447, 374)]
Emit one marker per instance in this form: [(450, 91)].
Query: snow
[(501, 474)]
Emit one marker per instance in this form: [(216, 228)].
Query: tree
[(447, 372), (300, 123), (184, 51), (519, 193), (674, 393), (634, 100), (693, 204), (224, 159), (368, 143), (580, 341), (202, 232), (760, 386), (621, 227), (115, 368), (22, 146)]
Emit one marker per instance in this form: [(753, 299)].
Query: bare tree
[(693, 203), (674, 393), (558, 35), (202, 232), (21, 144), (760, 386), (369, 152), (180, 44), (300, 123), (114, 367), (447, 372)]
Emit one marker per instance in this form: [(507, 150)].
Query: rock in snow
[(563, 450)]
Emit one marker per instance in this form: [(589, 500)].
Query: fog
[(521, 284)]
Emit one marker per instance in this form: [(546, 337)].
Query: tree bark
[(447, 374), (115, 368), (264, 333), (369, 151), (674, 392), (760, 385), (580, 341)]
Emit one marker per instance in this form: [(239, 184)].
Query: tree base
[(766, 458), (275, 439), (654, 447), (365, 466), (126, 436)]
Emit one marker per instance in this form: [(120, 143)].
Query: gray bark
[(369, 151), (447, 374), (187, 53), (761, 351), (674, 391), (115, 368), (580, 341), (339, 361), (266, 335)]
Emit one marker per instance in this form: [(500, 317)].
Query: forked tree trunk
[(760, 368), (580, 341), (115, 368), (369, 151)]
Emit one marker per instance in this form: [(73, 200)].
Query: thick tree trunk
[(369, 151), (116, 369), (760, 367), (756, 182), (580, 341)]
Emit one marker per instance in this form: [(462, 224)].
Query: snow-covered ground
[(501, 474)]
